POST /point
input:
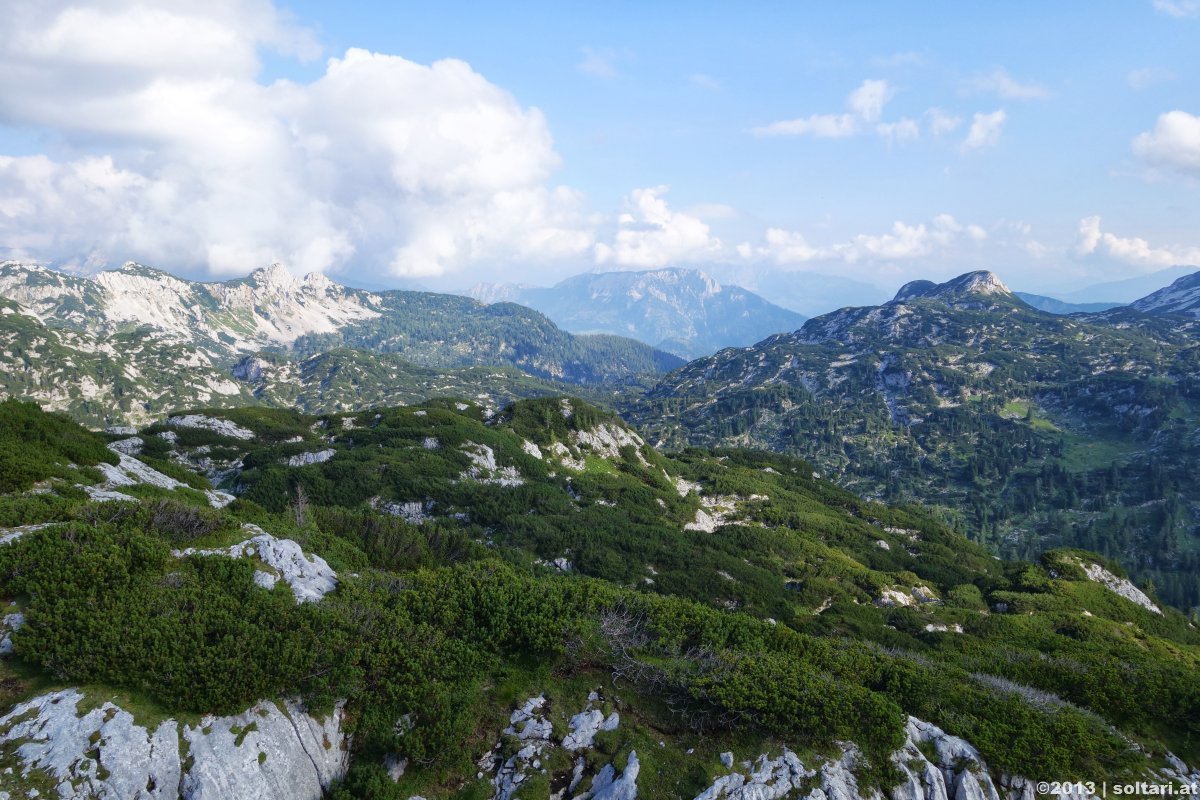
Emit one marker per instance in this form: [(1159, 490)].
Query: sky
[(442, 145)]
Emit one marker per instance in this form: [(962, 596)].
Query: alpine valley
[(279, 538)]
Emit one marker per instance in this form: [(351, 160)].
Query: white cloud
[(1134, 251), (785, 247), (904, 130), (706, 82), (999, 82), (649, 234), (1178, 8), (985, 130), (379, 165), (825, 126), (599, 63), (942, 122), (865, 103), (1174, 143), (902, 242), (868, 100)]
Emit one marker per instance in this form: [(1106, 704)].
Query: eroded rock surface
[(310, 577), (221, 426), (103, 753)]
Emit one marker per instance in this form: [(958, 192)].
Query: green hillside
[(1027, 430), (722, 598)]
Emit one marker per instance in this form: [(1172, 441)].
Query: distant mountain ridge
[(129, 343), (1128, 290), (1052, 305), (1181, 297), (681, 311)]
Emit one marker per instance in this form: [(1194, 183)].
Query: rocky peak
[(913, 289), (319, 282), (140, 270), (979, 282), (276, 276)]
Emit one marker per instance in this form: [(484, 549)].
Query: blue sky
[(1058, 144)]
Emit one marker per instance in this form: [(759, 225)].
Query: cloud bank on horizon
[(130, 131)]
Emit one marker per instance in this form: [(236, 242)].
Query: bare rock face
[(131, 472), (304, 459), (309, 576), (220, 426), (265, 753), (955, 772), (608, 785), (270, 752), (484, 468), (1121, 586)]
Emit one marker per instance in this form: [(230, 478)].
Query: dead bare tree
[(299, 507)]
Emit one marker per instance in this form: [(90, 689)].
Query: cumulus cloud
[(1134, 251), (1173, 143), (985, 130), (649, 234), (999, 82), (784, 247), (169, 150), (865, 105), (868, 100), (901, 243)]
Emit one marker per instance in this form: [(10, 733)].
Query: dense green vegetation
[(770, 627), (35, 446), (1027, 431)]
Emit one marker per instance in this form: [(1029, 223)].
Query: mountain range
[(685, 312), (1028, 429), (1127, 290), (1018, 425), (129, 343)]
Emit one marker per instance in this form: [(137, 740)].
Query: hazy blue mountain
[(1053, 305), (1129, 289), (681, 311)]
